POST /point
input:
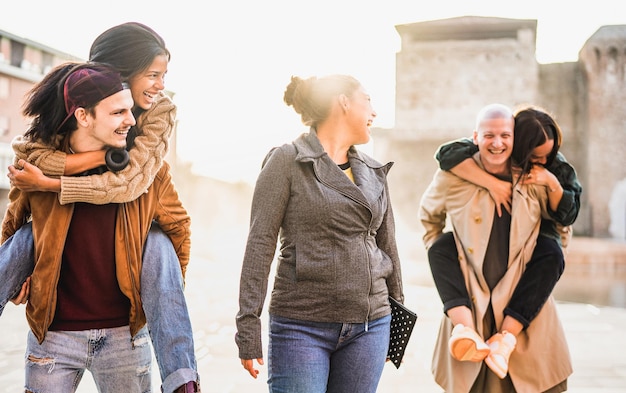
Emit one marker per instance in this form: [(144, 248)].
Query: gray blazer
[(338, 259)]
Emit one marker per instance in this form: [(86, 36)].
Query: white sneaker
[(466, 345), (501, 345)]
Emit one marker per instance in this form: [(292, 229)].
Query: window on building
[(17, 53), (4, 87), (46, 62), (4, 125), (2, 58)]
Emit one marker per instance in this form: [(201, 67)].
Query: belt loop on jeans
[(366, 325)]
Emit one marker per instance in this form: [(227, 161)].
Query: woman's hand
[(22, 297), (248, 364), (29, 178), (541, 176)]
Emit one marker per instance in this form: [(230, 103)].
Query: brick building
[(22, 63)]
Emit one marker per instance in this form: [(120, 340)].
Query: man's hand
[(22, 297), (248, 364), (29, 178)]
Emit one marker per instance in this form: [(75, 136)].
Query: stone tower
[(448, 69), (603, 67)]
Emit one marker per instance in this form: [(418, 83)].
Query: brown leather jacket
[(51, 221)]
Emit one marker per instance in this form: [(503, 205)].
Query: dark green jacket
[(453, 153)]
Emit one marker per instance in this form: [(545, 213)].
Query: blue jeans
[(117, 362), (17, 261), (318, 357), (166, 311), (161, 294)]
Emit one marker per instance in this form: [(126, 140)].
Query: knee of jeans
[(160, 255), (41, 361), (561, 268), (158, 240), (443, 247), (557, 263)]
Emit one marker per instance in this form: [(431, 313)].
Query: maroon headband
[(88, 85)]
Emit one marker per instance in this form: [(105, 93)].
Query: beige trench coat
[(541, 359)]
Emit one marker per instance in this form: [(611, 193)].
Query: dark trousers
[(540, 276)]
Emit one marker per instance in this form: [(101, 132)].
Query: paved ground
[(596, 335)]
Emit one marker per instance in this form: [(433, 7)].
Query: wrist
[(554, 188), (52, 185)]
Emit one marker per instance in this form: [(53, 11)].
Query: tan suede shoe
[(501, 345), (466, 345)]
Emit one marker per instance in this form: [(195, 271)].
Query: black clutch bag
[(402, 324)]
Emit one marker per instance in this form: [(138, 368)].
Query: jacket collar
[(369, 174)]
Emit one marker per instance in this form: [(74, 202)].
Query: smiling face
[(147, 84), (361, 116), (107, 126), (494, 138)]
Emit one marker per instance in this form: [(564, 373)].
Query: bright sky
[(231, 60)]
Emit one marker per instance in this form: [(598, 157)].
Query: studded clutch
[(402, 324)]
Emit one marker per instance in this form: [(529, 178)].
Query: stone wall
[(604, 71), (448, 69), (443, 80)]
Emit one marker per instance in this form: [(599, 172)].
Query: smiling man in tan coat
[(484, 240)]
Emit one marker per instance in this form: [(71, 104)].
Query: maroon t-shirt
[(88, 294)]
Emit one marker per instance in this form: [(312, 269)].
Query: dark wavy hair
[(130, 48), (45, 103), (533, 127)]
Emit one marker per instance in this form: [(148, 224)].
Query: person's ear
[(344, 102), (81, 116), (475, 137)]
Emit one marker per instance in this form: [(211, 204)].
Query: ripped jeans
[(162, 297), (117, 362)]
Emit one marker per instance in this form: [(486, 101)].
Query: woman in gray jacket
[(329, 206)]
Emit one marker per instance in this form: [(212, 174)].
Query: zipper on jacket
[(369, 271), (366, 234), (49, 312), (133, 284)]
